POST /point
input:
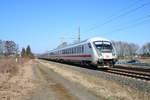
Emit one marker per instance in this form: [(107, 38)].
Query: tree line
[(27, 52), (11, 49), (8, 48), (125, 49), (145, 50)]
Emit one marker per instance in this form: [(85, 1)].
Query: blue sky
[(42, 23)]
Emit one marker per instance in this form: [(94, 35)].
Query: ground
[(44, 80)]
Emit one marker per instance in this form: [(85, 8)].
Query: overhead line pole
[(79, 38)]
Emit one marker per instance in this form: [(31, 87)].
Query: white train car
[(94, 51)]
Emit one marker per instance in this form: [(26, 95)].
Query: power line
[(139, 19), (125, 8), (121, 15), (79, 37), (129, 26), (113, 15)]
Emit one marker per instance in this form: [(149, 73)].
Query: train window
[(82, 48), (51, 53), (103, 45), (89, 45), (75, 50), (72, 50), (79, 49)]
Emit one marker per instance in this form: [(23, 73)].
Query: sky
[(44, 24)]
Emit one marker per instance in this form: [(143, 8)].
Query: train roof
[(82, 42), (96, 39)]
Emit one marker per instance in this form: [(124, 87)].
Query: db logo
[(107, 56)]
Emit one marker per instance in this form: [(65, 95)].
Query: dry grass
[(9, 65), (19, 84), (98, 86)]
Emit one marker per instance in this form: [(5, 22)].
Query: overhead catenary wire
[(125, 8), (119, 16), (135, 20), (129, 26), (113, 15)]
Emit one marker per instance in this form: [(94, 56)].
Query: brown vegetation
[(103, 88), (9, 65)]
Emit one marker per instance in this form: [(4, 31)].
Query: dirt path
[(63, 89), (35, 81)]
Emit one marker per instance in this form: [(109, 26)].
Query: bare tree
[(146, 49), (1, 47), (125, 49), (23, 52), (62, 45), (10, 47)]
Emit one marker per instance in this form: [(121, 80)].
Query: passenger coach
[(95, 51)]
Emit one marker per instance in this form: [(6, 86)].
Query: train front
[(106, 53)]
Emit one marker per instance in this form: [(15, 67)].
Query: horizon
[(44, 24)]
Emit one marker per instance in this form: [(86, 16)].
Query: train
[(98, 52)]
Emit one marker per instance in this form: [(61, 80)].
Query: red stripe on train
[(75, 56)]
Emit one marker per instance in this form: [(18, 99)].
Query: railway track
[(133, 72), (130, 72), (141, 69)]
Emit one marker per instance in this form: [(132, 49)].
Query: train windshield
[(103, 45)]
